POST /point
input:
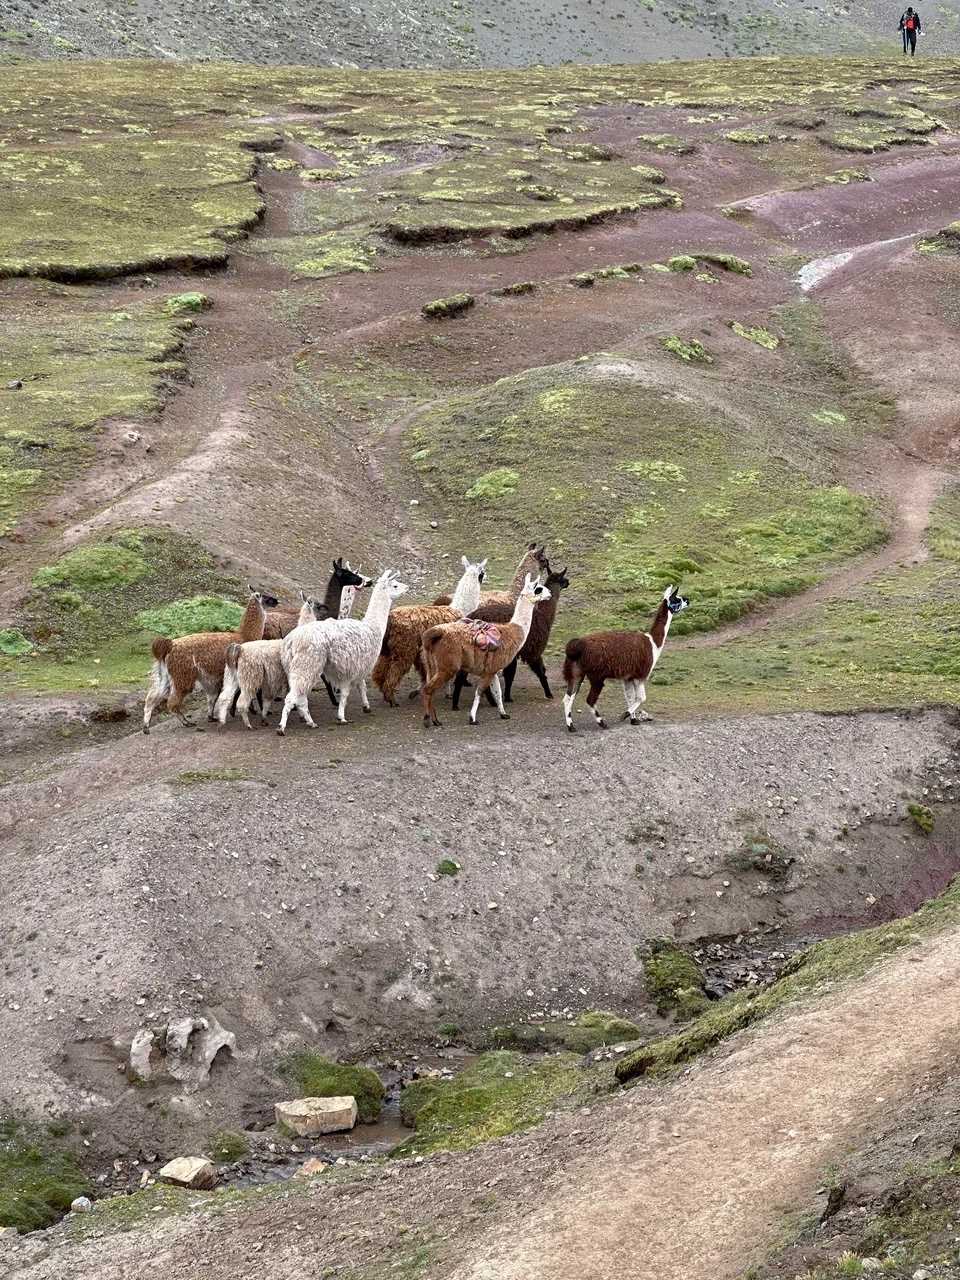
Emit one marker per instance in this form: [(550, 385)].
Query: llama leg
[(540, 671), (243, 709), (498, 697), (429, 708), (419, 668), (153, 699), (329, 689), (596, 688), (509, 675), (175, 703), (569, 698), (303, 708), (342, 705), (636, 712), (483, 686), (458, 683), (211, 705), (363, 697), (266, 706)]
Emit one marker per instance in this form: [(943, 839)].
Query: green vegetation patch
[(447, 867), (747, 137), (762, 337), (687, 349), (78, 365), (199, 777), (446, 308), (652, 488), (187, 304), (673, 980), (922, 816), (13, 643), (109, 207), (588, 1031), (667, 142), (226, 1146), (187, 617), (317, 1077), (90, 615), (818, 968), (39, 1177), (315, 257), (499, 1094)]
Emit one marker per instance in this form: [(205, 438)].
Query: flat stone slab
[(307, 1117), (190, 1171)]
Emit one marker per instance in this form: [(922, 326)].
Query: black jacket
[(916, 18)]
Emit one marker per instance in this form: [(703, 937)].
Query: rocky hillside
[(492, 33)]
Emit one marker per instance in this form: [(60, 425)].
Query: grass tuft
[(317, 1077)]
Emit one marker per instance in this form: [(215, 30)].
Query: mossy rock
[(446, 308), (226, 1146), (13, 643), (667, 142), (317, 1077), (922, 816), (447, 867), (518, 290), (747, 137), (673, 980), (762, 337), (728, 262), (689, 350), (682, 262), (186, 303)]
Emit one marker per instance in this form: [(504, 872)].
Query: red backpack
[(911, 22)]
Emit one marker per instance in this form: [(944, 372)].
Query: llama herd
[(286, 653)]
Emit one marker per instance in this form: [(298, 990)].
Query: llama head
[(675, 602), (263, 598), (346, 576), (533, 589), (557, 579), (479, 570), (313, 604), (539, 555), (389, 581)]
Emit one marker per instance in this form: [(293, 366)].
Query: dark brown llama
[(629, 656)]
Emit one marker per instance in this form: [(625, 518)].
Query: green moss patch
[(199, 777), (762, 337), (922, 817), (317, 1077), (682, 262), (687, 349), (39, 1177), (13, 643), (122, 205), (673, 980), (446, 308), (187, 617), (588, 1031), (226, 1146), (499, 1094), (315, 257), (447, 867), (817, 969), (493, 484), (89, 616), (187, 304), (668, 142), (747, 137)]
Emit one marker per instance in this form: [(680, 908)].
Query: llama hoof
[(602, 724), (548, 696), (504, 716), (411, 696), (366, 711), (571, 728), (281, 733), (146, 728)]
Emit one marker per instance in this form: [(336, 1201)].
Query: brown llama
[(533, 562), (406, 626), (459, 646), (182, 665), (629, 656)]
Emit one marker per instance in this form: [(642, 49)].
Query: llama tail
[(428, 642), (574, 652), (161, 648)]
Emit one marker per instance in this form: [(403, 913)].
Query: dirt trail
[(694, 1182)]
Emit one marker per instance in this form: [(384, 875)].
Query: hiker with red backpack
[(910, 26)]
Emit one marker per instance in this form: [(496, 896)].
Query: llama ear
[(251, 588), (668, 593), (465, 562), (532, 546), (302, 596), (338, 563), (483, 563)]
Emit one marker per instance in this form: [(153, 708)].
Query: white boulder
[(308, 1117), (195, 1172)]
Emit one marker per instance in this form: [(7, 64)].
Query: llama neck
[(251, 624), (523, 616), (527, 565), (378, 610), (331, 598), (466, 598), (347, 597), (661, 625), (544, 614)]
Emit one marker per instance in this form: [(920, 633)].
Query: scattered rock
[(82, 1204), (445, 308), (310, 1168), (132, 437), (195, 1172), (307, 1117), (141, 1048), (15, 384)]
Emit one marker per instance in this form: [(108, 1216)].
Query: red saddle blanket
[(485, 635)]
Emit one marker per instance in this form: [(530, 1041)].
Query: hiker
[(910, 26)]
